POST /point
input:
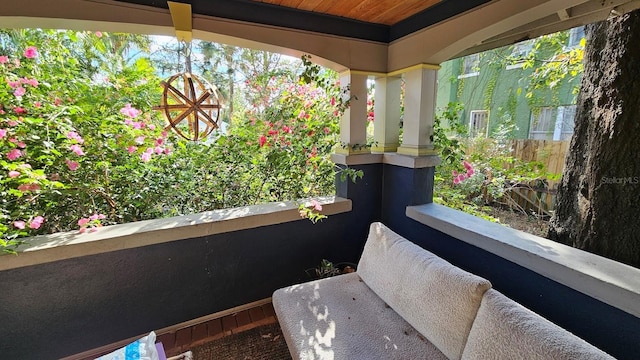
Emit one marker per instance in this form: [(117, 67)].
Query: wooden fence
[(552, 154)]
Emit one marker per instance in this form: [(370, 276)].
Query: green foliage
[(489, 172), (446, 132), (76, 153), (328, 269), (63, 139), (553, 63)]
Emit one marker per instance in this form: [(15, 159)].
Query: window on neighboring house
[(478, 123), (575, 36), (519, 54), (548, 123), (470, 66)]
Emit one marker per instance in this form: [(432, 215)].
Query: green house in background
[(494, 87)]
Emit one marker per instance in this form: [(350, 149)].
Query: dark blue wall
[(66, 307), (608, 328)]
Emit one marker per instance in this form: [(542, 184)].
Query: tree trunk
[(598, 204)]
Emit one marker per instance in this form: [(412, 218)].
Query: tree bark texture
[(598, 203)]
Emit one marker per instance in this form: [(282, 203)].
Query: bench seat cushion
[(342, 318), (505, 329), (437, 298)]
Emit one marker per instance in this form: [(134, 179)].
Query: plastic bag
[(141, 349)]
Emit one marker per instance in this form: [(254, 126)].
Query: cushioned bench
[(407, 303)]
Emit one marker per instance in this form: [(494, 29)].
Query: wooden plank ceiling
[(386, 12)]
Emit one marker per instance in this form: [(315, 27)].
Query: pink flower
[(13, 123), (333, 101), (20, 91), (32, 82), (21, 145), (158, 150), (129, 111), (159, 141), (302, 115), (454, 173), (316, 205), (4, 59), (31, 52), (37, 104), (456, 180), (132, 149), (467, 165), (3, 133), (14, 154), (19, 110), (145, 156), (101, 216), (83, 221), (98, 34), (137, 124), (19, 224), (76, 149), (151, 127), (75, 136), (93, 217), (29, 187), (36, 222), (13, 84), (72, 165), (140, 140), (462, 177), (470, 172), (167, 151), (326, 130), (14, 174), (262, 140), (82, 230)]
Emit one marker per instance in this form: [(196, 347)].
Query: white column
[(386, 125), (353, 124), (419, 110)]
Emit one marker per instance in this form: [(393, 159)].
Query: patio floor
[(184, 339)]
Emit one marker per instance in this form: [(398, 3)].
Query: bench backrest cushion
[(504, 329), (437, 298)]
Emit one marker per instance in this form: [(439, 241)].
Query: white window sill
[(468, 75), (519, 65)]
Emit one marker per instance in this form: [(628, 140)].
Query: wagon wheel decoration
[(193, 112)]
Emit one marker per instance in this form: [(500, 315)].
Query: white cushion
[(341, 318), (438, 299), (504, 329)]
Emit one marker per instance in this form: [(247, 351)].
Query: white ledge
[(66, 245), (391, 158), (604, 279)]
